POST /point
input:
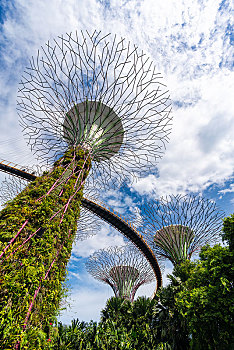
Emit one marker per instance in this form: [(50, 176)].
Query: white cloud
[(201, 148), (85, 304), (227, 190), (231, 189), (75, 274), (105, 238), (187, 41)]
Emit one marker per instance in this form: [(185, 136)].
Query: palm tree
[(117, 309)]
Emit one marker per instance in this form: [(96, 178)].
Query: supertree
[(178, 226), (88, 105), (124, 269)]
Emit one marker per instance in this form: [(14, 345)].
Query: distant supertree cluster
[(178, 226), (124, 269)]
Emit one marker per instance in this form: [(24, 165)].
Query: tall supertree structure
[(89, 105), (178, 226), (124, 269)]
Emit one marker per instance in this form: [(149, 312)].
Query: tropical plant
[(171, 327), (37, 229), (206, 301), (228, 231)]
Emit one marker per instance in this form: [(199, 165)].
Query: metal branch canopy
[(95, 109), (89, 225), (100, 93), (178, 226), (124, 269)]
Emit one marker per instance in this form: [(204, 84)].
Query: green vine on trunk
[(37, 230)]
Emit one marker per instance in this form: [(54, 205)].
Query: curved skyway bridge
[(111, 217)]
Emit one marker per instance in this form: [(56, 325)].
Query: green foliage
[(117, 310), (195, 311), (135, 319), (123, 325), (171, 327), (206, 300), (228, 229), (80, 335), (24, 265)]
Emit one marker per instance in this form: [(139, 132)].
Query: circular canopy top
[(175, 241), (94, 126), (175, 232)]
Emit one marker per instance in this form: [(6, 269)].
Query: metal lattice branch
[(88, 223), (101, 93), (99, 209), (125, 269), (178, 226), (88, 103), (12, 185)]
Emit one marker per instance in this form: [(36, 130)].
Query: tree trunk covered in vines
[(37, 230)]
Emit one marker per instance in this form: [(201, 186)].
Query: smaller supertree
[(124, 268), (93, 107), (178, 226)]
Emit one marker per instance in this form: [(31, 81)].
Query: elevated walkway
[(13, 169), (111, 217)]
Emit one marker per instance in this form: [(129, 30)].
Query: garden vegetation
[(195, 311)]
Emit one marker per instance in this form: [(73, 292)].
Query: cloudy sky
[(190, 43)]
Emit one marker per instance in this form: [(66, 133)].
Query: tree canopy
[(194, 312)]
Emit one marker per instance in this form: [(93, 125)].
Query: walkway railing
[(12, 168)]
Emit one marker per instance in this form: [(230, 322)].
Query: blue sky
[(191, 45)]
